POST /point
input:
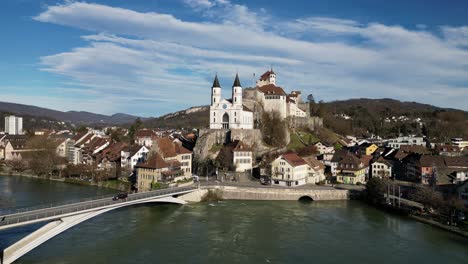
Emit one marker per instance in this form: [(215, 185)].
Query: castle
[(233, 114)]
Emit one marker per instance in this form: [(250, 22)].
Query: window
[(214, 100)]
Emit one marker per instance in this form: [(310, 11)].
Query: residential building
[(448, 150), (229, 113), (367, 148), (381, 168), (242, 157), (145, 137), (171, 151), (157, 170), (289, 170), (131, 155), (462, 143), (14, 125), (405, 140), (324, 148), (351, 170), (316, 170), (337, 157)]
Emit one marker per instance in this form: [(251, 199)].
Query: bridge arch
[(305, 199)]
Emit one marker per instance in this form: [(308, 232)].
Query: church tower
[(237, 92), (215, 91)]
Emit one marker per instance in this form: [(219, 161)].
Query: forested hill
[(77, 117), (388, 117)]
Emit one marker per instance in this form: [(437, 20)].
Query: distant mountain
[(194, 117), (76, 117)]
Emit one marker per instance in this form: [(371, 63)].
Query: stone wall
[(268, 194), (309, 122)]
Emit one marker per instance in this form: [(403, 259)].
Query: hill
[(389, 117), (194, 117), (76, 117)]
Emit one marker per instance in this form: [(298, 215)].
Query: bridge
[(64, 216)]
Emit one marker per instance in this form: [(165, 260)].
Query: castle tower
[(272, 77), (237, 92), (215, 91)]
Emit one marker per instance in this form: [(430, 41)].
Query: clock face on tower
[(224, 106)]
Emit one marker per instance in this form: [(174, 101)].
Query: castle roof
[(271, 89), (237, 82), (216, 82), (266, 75)]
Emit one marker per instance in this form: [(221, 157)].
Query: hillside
[(77, 117), (194, 117), (389, 117)]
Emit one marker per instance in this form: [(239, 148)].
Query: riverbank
[(110, 184), (439, 225)]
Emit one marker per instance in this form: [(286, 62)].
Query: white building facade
[(14, 125), (289, 170), (229, 114)]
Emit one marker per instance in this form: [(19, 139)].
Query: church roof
[(216, 82), (237, 82)]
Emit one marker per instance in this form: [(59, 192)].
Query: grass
[(296, 144), (216, 148)]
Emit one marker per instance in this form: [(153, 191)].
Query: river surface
[(229, 232)]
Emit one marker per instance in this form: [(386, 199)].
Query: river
[(230, 232)]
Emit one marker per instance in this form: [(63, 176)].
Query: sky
[(149, 58)]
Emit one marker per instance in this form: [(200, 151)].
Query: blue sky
[(148, 58)]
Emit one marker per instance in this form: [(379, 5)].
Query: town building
[(289, 170), (145, 137), (171, 151), (448, 150), (316, 170), (405, 140), (229, 113), (242, 157), (13, 125), (132, 155), (351, 170), (381, 168), (157, 170), (462, 143)]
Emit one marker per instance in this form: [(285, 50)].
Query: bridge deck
[(49, 213)]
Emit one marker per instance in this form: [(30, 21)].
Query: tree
[(43, 159), (274, 129), (82, 129), (376, 189), (134, 128), (427, 196)]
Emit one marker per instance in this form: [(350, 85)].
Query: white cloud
[(158, 55)]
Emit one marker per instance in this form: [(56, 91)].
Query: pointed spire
[(271, 69), (216, 82), (237, 82)]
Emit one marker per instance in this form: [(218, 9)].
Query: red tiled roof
[(271, 89), (145, 133), (155, 161), (294, 159), (170, 149), (365, 159), (448, 148)]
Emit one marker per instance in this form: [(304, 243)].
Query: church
[(229, 113)]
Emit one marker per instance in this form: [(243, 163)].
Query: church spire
[(237, 82), (215, 82)]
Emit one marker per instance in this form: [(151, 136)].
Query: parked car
[(120, 196)]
